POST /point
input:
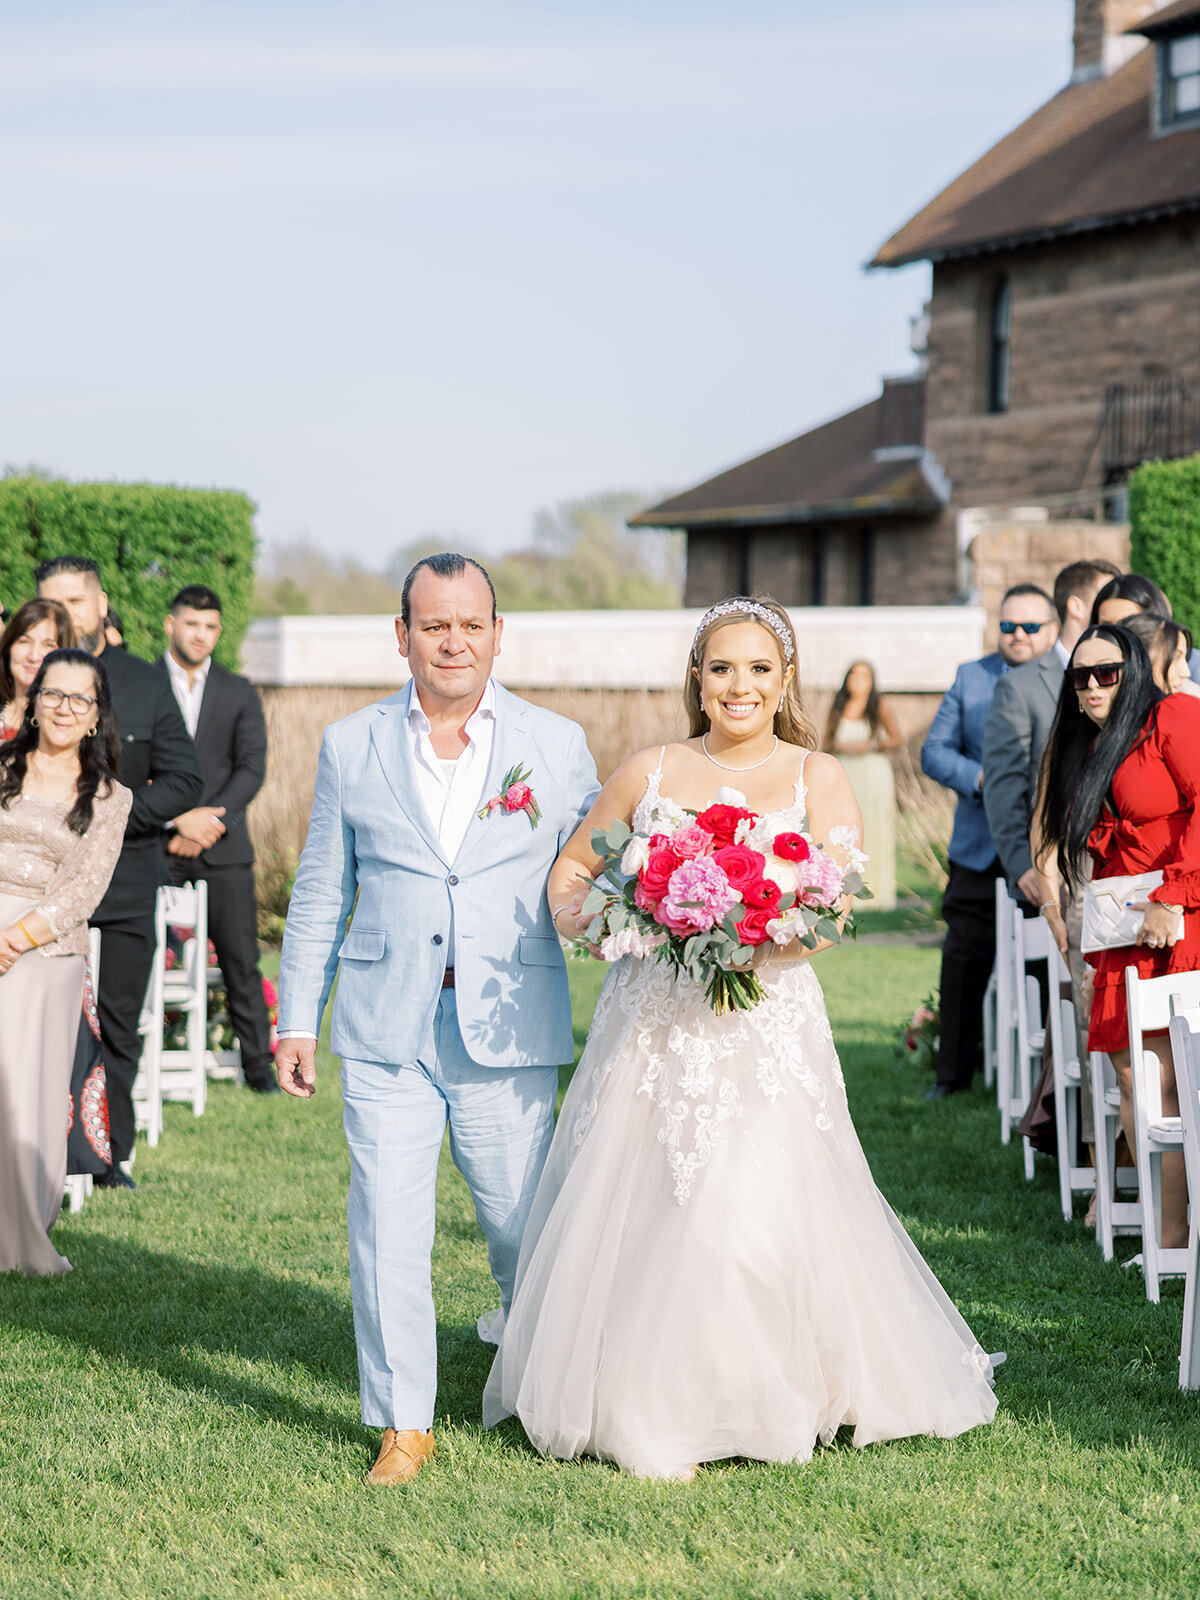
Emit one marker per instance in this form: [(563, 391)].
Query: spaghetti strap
[(662, 750), (801, 786)]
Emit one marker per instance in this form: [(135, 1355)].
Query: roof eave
[(827, 511), (1018, 241)]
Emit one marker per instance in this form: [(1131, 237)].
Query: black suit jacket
[(158, 762), (1018, 725), (231, 743)]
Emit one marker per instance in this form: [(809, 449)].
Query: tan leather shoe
[(401, 1455)]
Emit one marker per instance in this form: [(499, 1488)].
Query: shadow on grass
[(189, 1323)]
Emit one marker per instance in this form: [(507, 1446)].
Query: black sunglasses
[(1106, 673), (1026, 627)]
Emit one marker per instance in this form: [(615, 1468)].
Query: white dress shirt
[(189, 694), (1063, 654), (451, 791)]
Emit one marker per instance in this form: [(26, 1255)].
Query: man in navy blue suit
[(953, 755)]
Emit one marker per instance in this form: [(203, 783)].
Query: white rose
[(729, 797), (635, 855), (783, 873)]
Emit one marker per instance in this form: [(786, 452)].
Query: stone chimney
[(1101, 44)]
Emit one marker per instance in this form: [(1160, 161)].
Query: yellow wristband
[(33, 944)]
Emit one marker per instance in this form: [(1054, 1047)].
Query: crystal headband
[(747, 608)]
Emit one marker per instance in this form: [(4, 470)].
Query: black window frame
[(999, 385), (1168, 117)]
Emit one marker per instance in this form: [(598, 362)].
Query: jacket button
[(437, 938), (452, 880)]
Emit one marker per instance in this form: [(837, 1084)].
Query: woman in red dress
[(1120, 781)]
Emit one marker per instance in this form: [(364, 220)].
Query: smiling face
[(1095, 702), (62, 726), (28, 652), (742, 680), (1020, 646), (450, 641)]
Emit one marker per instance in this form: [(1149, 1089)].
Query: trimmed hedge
[(148, 540), (1164, 543)]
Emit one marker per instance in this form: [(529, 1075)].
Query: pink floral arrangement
[(705, 896), (515, 795)]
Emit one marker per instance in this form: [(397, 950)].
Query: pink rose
[(517, 796), (722, 821), (752, 929), (697, 897), (741, 865), (691, 842), (655, 876), (791, 847), (762, 896)]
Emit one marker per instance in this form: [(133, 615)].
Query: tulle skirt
[(709, 1270)]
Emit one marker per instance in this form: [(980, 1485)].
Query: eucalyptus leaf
[(594, 901)]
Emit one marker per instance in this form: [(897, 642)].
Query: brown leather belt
[(448, 978)]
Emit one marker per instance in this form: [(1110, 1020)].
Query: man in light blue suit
[(437, 816), (953, 755)]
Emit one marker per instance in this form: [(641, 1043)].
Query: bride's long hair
[(792, 722)]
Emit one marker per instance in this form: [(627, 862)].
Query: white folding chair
[(1113, 1215), (1073, 1179), (990, 1032), (1031, 942), (223, 1063), (1185, 1048), (185, 989), (147, 1086), (1151, 1002)]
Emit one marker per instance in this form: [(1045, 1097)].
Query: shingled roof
[(1086, 160), (845, 468), (1169, 19)]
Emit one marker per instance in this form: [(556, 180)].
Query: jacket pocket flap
[(536, 952), (363, 944)]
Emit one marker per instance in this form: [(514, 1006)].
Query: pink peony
[(517, 796), (820, 880), (698, 896), (692, 841)]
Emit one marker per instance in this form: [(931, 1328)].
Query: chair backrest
[(1185, 1049), (1152, 1000), (184, 907)]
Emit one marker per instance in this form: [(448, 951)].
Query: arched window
[(998, 349)]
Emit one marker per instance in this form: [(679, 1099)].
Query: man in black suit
[(224, 716), (158, 762)]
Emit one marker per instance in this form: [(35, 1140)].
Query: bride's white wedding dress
[(709, 1269)]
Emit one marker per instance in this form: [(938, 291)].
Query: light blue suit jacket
[(371, 850), (953, 755)]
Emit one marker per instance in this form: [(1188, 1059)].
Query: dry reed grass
[(926, 817)]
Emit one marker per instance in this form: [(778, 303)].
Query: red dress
[(1157, 826)]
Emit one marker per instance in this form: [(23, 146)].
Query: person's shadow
[(182, 1320)]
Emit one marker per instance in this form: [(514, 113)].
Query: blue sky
[(403, 268)]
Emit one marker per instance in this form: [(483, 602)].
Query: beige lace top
[(65, 873)]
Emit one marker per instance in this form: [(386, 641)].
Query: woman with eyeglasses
[(1120, 782), (62, 820)]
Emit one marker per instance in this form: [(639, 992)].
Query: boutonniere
[(515, 795)]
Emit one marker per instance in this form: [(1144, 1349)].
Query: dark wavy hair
[(22, 620), (1081, 760), (99, 755), (1160, 635), (1139, 591), (843, 695)]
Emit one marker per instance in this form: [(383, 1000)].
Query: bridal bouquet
[(706, 895)]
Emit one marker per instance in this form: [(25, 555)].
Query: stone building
[(1062, 348)]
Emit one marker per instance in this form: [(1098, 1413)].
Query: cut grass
[(180, 1414)]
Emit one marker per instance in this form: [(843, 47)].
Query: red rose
[(722, 821), (655, 876), (741, 865), (752, 929), (762, 896), (790, 847), (517, 796)]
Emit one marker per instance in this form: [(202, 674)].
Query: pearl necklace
[(724, 765)]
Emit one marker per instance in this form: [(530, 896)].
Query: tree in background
[(1164, 531), (581, 557)]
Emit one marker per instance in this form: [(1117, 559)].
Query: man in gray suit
[(1018, 725)]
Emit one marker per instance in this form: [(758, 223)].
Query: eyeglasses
[(1026, 627), (1107, 674), (79, 704)]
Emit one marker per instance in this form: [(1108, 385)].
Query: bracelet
[(33, 943), (1046, 904), (554, 915)]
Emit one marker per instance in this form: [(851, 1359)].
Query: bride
[(709, 1270)]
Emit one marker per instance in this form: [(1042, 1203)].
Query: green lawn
[(179, 1416)]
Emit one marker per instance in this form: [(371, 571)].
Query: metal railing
[(1155, 420)]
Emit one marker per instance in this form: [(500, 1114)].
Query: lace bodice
[(658, 813), (64, 873)]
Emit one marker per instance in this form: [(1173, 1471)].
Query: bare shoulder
[(821, 771)]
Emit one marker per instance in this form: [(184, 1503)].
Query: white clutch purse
[(1110, 924)]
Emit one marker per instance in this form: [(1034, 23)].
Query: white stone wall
[(914, 649)]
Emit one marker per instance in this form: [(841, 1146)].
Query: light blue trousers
[(501, 1124)]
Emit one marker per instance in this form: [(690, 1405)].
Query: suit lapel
[(509, 746), (208, 706), (389, 735)]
